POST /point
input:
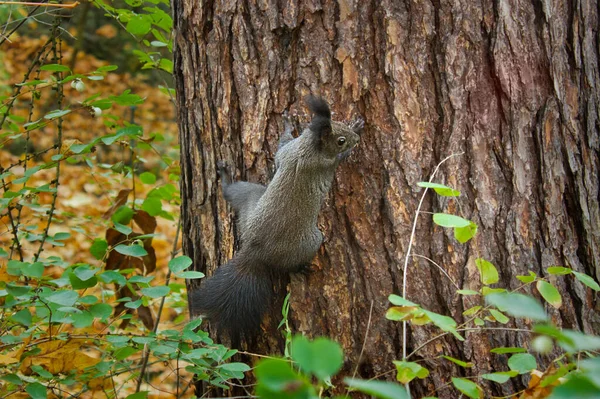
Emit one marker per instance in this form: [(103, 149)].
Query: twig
[(29, 3), (467, 329), (439, 267), (362, 350), (5, 37), (59, 93)]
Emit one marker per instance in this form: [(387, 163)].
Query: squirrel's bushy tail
[(234, 299)]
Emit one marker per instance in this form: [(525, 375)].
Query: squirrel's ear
[(318, 106), (321, 121)]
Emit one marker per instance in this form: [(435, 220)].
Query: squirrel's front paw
[(288, 124), (223, 170), (358, 125)]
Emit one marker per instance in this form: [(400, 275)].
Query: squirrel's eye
[(341, 141)]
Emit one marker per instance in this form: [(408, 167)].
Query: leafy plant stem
[(408, 254), (57, 55), (159, 313)]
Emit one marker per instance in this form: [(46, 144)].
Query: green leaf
[(111, 276), (467, 292), (127, 99), (15, 267), (107, 68), (489, 273), (447, 220), (23, 317), (444, 323), (591, 367), (459, 362), (190, 275), (587, 280), (131, 250), (138, 395), (148, 178), (156, 292), (500, 377), (499, 316), (378, 389), (522, 363), (36, 390), (558, 270), (440, 189), (101, 310), (121, 228), (487, 290), (124, 352), (152, 205), (55, 68), (518, 305), (527, 279), (321, 357), (12, 378), (549, 293), (464, 234), (79, 284), (34, 270), (57, 114), (235, 367), (576, 341), (577, 386), (64, 298), (85, 272), (467, 387), (408, 371), (139, 25), (122, 215), (472, 311), (82, 320), (503, 350), (276, 379), (61, 236), (17, 290), (179, 264), (399, 301)]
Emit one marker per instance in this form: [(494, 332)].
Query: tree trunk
[(511, 85)]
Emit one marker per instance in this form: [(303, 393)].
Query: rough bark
[(513, 85)]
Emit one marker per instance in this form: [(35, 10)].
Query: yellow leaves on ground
[(61, 357)]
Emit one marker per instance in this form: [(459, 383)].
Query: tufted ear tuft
[(321, 121)]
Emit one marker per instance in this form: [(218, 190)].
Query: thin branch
[(5, 37), (467, 329), (362, 350), (57, 52), (439, 267), (28, 3)]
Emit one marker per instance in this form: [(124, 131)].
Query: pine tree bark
[(511, 85)]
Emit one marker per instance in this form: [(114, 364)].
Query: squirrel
[(277, 223)]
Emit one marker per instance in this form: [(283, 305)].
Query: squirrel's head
[(334, 137)]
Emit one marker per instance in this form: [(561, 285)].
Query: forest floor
[(86, 191)]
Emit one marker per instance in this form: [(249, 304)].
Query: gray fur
[(277, 223)]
